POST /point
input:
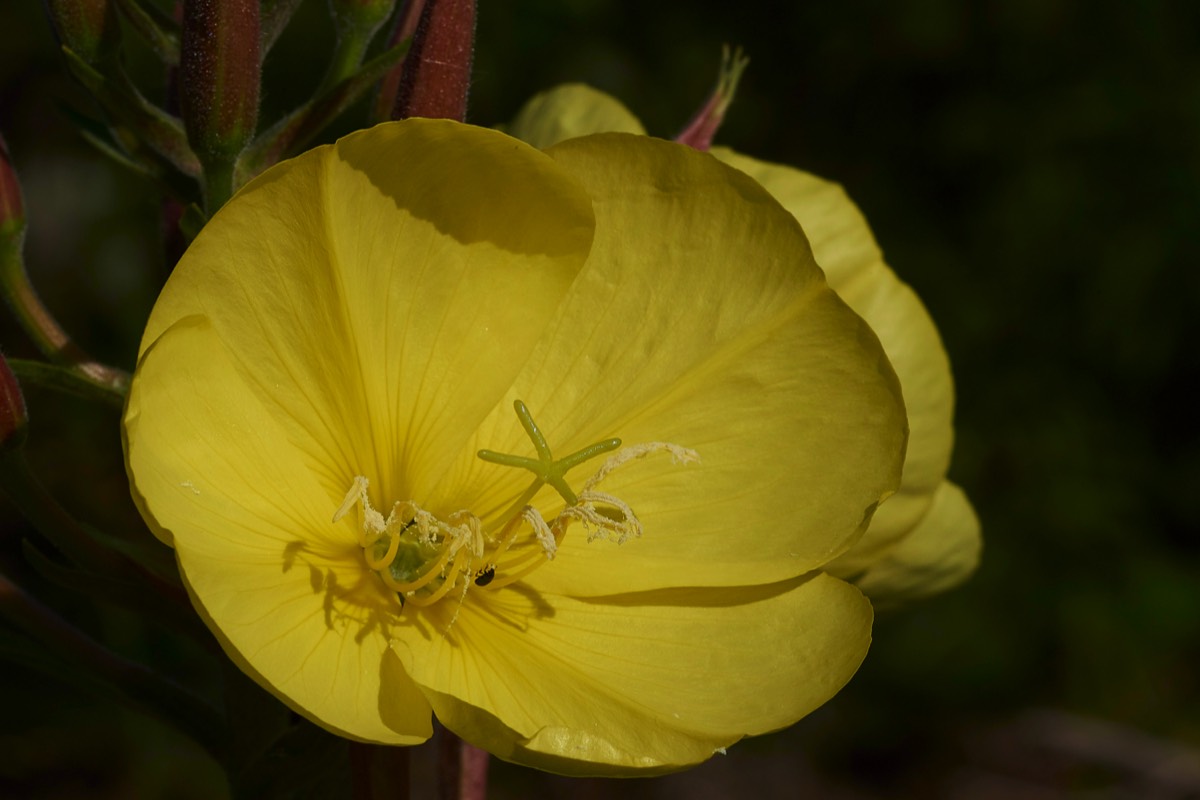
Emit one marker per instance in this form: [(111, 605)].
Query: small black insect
[(484, 576)]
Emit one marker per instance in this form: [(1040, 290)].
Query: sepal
[(702, 129)]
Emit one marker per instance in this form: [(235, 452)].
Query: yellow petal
[(380, 295), (846, 250), (836, 229), (280, 585), (941, 552), (646, 682), (909, 337), (571, 110), (702, 320)]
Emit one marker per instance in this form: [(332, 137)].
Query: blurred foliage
[(1031, 167)]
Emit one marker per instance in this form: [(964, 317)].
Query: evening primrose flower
[(552, 445), (926, 538)]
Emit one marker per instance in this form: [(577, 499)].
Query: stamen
[(679, 455), (427, 577), (519, 568), (471, 522), (358, 490), (508, 535), (388, 557), (544, 535), (509, 568), (628, 526), (426, 558), (542, 531), (448, 584)]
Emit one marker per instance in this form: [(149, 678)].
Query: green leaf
[(276, 14), (122, 147), (295, 130), (155, 28), (159, 130)]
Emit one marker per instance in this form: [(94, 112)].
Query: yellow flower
[(327, 362), (926, 538)]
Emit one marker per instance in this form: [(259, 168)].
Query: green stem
[(218, 185), (67, 381), (44, 329), (156, 32), (125, 681)]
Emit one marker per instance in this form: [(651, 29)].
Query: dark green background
[(1031, 167)]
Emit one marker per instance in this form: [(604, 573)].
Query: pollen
[(423, 558)]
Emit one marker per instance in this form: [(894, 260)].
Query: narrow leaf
[(163, 40), (160, 131), (295, 130)]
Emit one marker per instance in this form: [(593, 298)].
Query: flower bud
[(701, 131), (88, 27), (220, 72), (437, 70), (12, 210), (14, 422)]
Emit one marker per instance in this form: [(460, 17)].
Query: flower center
[(423, 558)]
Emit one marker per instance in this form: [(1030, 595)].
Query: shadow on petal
[(703, 596), (488, 188)]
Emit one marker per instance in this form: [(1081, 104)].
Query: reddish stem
[(463, 769), (437, 70), (389, 87), (378, 772)]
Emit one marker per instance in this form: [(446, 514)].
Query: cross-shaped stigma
[(545, 469)]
